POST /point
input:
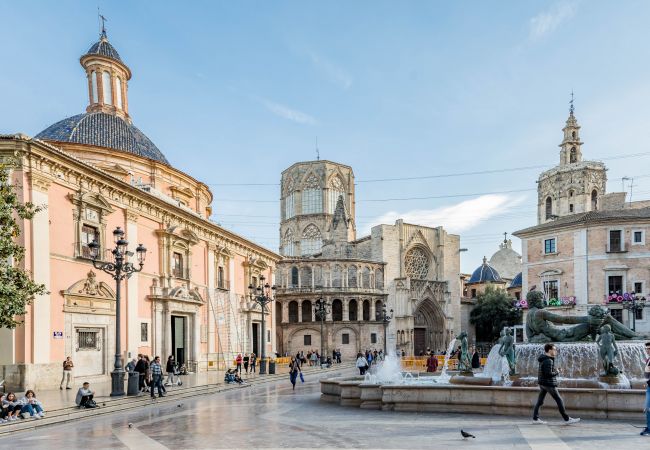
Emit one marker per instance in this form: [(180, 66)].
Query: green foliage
[(493, 311), (17, 290)]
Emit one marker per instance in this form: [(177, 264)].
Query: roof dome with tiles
[(485, 273), (106, 122)]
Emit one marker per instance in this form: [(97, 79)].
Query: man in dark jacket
[(141, 368), (547, 380)]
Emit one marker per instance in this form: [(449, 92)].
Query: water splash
[(444, 378), (496, 367)]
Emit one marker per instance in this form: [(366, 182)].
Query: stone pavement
[(271, 415)]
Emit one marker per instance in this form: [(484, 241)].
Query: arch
[(287, 243), (107, 88), (378, 309), (311, 240), (306, 311), (353, 310), (365, 278), (573, 155), (337, 310), (417, 263), (594, 200), (93, 86), (352, 276), (294, 277), (366, 310), (312, 196), (293, 312), (118, 92), (337, 276), (379, 279), (429, 326), (549, 207), (305, 276)]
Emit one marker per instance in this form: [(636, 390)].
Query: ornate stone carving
[(90, 286), (416, 263)]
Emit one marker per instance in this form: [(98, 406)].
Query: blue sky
[(235, 92)]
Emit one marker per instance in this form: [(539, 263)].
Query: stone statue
[(464, 360), (541, 328), (508, 349), (608, 350), (90, 286)]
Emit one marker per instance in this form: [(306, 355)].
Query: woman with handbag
[(294, 370)]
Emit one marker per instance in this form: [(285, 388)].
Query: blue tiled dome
[(516, 281), (485, 274), (103, 130), (104, 48)]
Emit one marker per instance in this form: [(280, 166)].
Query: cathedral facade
[(94, 172), (409, 272)]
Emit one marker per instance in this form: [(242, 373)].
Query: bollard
[(271, 367)]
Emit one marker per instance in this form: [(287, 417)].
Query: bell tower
[(571, 152)]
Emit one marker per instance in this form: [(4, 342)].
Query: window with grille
[(88, 235), (87, 339), (345, 338), (615, 241), (307, 339), (177, 265), (144, 332)]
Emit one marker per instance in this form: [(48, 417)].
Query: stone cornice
[(39, 182), (44, 159)]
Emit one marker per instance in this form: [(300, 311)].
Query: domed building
[(95, 172), (506, 261), (485, 275)]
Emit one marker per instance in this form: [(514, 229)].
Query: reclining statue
[(540, 326)]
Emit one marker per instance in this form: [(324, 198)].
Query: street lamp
[(386, 319), (118, 269), (322, 309), (261, 294), (634, 304)]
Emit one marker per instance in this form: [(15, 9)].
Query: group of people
[(367, 359), (248, 361), (151, 373), (14, 408)]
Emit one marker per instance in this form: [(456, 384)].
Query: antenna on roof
[(317, 151), (571, 103), (505, 237)]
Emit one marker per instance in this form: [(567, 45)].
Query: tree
[(493, 311), (17, 289)]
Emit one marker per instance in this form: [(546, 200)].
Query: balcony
[(328, 289), (223, 285)]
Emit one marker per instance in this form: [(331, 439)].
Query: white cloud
[(333, 72), (288, 113), (456, 218), (546, 22)]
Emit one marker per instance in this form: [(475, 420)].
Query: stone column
[(211, 298), (40, 263), (195, 332), (346, 309), (132, 289), (313, 276), (167, 327), (373, 312), (285, 311)]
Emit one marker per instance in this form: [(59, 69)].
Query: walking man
[(67, 373), (646, 432), (156, 373), (547, 380)]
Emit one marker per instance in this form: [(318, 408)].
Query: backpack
[(90, 404)]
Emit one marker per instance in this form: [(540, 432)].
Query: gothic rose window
[(416, 264), (311, 240)]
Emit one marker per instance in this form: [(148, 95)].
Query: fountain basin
[(331, 388), (370, 396), (470, 381), (350, 393)]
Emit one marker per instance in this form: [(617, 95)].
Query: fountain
[(603, 380)]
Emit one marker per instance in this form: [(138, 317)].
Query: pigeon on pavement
[(466, 435)]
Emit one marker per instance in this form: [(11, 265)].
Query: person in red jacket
[(239, 360), (432, 363)]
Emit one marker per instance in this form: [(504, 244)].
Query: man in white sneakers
[(547, 380)]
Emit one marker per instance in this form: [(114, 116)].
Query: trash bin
[(271, 367), (133, 383)]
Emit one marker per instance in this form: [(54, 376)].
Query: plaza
[(271, 415)]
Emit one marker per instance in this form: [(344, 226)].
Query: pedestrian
[(238, 361), (338, 356), (253, 362), (476, 360), (314, 359), (646, 432), (246, 359), (432, 363), (403, 353), (156, 377), (67, 373), (140, 367), (547, 380), (147, 371), (170, 370), (130, 366), (362, 364), (294, 370)]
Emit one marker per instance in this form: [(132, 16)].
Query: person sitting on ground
[(10, 407), (85, 397), (31, 406), (230, 375), (329, 362), (239, 379)]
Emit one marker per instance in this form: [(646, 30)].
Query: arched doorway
[(429, 327)]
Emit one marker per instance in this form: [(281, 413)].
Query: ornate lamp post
[(386, 319), (118, 269), (322, 309), (261, 294), (634, 304)]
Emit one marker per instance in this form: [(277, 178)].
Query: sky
[(467, 99)]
